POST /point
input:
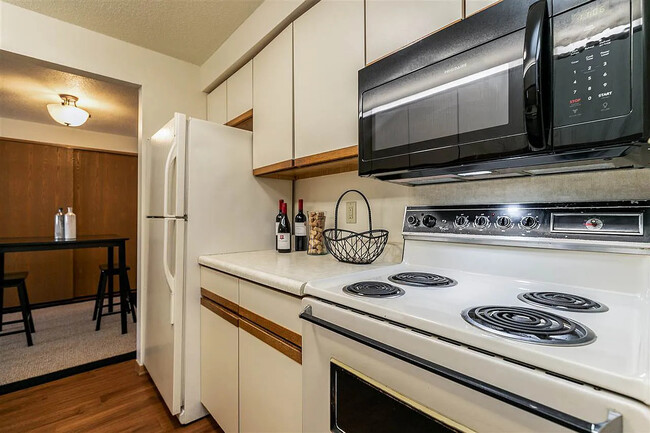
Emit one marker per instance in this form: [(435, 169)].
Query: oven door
[(467, 108), (361, 374)]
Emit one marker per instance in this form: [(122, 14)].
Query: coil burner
[(529, 325), (373, 289), (422, 279), (562, 301)]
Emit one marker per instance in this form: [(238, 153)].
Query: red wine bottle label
[(301, 229), (284, 241)]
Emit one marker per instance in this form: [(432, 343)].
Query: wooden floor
[(109, 399)]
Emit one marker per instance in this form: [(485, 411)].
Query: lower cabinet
[(270, 387), (251, 359), (220, 365)]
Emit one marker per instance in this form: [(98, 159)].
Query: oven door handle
[(534, 46), (613, 424)]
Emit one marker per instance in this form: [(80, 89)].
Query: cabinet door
[(393, 24), (328, 52), (273, 101), (240, 91), (270, 384), (217, 105), (220, 365), (474, 6)]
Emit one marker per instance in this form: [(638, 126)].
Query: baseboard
[(140, 369), (49, 377)]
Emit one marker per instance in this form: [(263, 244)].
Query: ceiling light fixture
[(67, 113)]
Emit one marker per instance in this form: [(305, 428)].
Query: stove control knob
[(429, 221), (412, 220), (529, 222), (461, 221), (504, 222), (481, 222)]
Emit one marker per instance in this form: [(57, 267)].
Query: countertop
[(287, 272)]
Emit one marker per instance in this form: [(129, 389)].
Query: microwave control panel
[(592, 62), (617, 221)]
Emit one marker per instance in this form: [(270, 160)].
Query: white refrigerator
[(201, 198)]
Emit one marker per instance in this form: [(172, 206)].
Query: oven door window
[(358, 405), (467, 106)]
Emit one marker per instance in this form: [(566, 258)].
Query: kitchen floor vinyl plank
[(106, 400)]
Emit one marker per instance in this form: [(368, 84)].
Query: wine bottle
[(300, 229), (284, 232), (278, 217)]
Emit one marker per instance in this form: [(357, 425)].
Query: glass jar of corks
[(316, 227)]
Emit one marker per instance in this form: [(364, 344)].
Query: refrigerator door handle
[(171, 281), (171, 157)]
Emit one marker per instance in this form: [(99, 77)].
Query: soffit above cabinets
[(28, 85), (186, 30)]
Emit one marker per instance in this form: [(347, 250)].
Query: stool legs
[(24, 309), (29, 308), (100, 299)]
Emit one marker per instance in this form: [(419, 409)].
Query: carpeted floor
[(65, 337)]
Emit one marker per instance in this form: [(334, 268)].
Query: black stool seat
[(104, 268), (127, 300), (12, 279), (17, 280)]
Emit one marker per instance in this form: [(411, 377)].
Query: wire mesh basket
[(352, 247)]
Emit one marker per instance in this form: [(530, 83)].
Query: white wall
[(72, 137), (167, 84)]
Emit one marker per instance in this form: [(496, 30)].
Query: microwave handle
[(533, 67), (613, 423)]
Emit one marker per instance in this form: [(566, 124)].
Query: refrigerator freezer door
[(163, 318), (165, 155)]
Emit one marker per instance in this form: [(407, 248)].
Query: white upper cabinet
[(393, 24), (328, 53), (240, 91), (474, 6), (217, 105), (273, 101)]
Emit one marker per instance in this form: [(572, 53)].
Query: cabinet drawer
[(220, 287), (270, 387), (276, 311), (220, 365)]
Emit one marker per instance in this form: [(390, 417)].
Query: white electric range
[(500, 318)]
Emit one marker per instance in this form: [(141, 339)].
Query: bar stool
[(17, 280), (106, 279)]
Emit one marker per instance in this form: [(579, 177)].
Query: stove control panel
[(627, 221)]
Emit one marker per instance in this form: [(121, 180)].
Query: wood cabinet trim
[(223, 302), (240, 119), (273, 168), (225, 314), (320, 164), (287, 349), (273, 327)]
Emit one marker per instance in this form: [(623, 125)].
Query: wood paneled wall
[(35, 180), (106, 202)]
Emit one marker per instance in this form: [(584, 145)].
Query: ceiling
[(189, 30), (28, 85)]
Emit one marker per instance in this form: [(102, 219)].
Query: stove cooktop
[(421, 279)]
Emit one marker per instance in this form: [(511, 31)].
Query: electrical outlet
[(351, 212)]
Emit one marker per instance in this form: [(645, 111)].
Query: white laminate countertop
[(287, 272)]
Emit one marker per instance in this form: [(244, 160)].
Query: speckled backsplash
[(388, 200)]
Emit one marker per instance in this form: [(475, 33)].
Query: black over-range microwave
[(522, 88)]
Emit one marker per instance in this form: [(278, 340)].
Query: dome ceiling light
[(67, 113)]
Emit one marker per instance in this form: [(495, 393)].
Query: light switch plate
[(351, 212)]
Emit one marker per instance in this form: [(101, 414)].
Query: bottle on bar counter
[(300, 229), (284, 232), (70, 225), (59, 225)]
